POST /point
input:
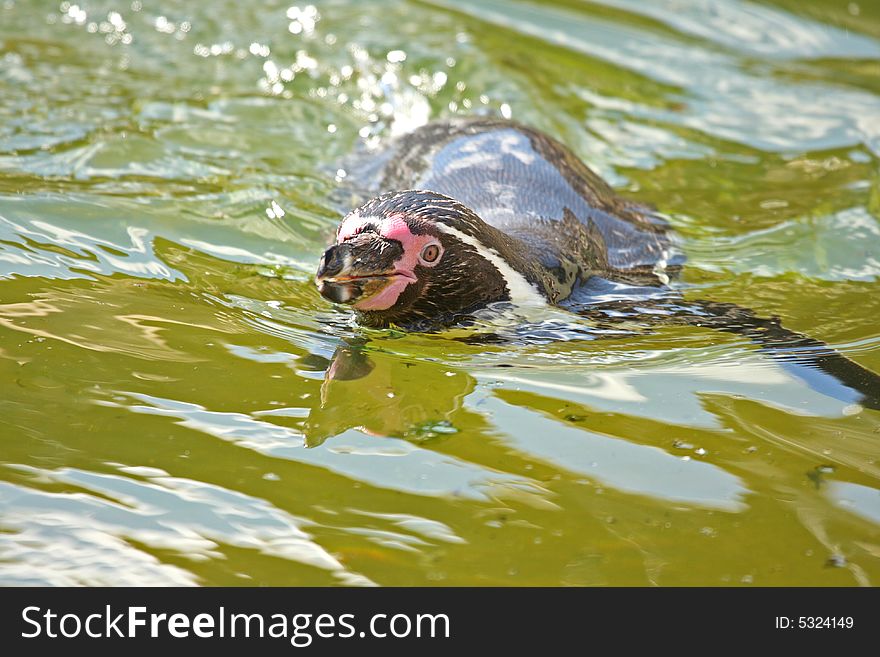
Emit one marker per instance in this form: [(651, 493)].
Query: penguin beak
[(358, 268)]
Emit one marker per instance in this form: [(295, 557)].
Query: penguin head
[(411, 258)]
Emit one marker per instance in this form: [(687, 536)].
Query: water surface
[(179, 406)]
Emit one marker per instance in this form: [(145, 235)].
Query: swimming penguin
[(482, 211)]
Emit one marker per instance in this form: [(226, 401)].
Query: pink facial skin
[(394, 228)]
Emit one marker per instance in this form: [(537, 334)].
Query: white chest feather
[(522, 293)]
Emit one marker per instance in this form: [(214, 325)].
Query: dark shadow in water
[(814, 362), (385, 395)]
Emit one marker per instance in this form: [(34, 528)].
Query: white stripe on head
[(522, 293)]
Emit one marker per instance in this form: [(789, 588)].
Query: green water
[(167, 172)]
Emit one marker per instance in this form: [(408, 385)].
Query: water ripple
[(722, 99), (753, 28), (191, 518), (383, 462)]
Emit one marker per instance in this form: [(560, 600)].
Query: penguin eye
[(430, 253)]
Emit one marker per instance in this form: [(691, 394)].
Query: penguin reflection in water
[(488, 213)]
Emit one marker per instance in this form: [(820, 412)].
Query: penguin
[(468, 213)]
